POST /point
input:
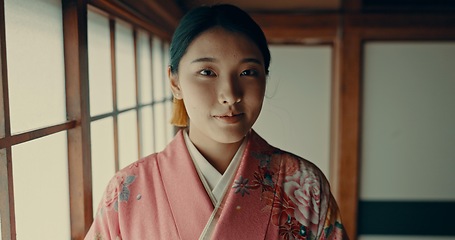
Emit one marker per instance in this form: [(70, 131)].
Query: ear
[(175, 85)]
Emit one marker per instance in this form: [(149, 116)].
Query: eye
[(249, 72), (207, 72)]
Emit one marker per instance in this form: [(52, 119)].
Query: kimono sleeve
[(306, 206), (105, 224), (333, 228)]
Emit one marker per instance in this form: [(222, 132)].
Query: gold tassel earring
[(179, 115)]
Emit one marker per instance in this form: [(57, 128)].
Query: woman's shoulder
[(132, 176), (304, 164), (295, 167), (288, 162), (145, 164)]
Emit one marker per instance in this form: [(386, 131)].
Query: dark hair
[(201, 19)]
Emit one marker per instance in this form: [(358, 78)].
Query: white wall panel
[(408, 134), (296, 111)]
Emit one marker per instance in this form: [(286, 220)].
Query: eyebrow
[(209, 59), (253, 60), (204, 59)]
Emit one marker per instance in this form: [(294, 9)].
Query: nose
[(229, 91)]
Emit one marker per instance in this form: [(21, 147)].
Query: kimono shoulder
[(131, 204), (145, 200), (296, 192)]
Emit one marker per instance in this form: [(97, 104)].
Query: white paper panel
[(145, 68), (34, 42), (296, 111), (103, 157), (124, 50), (147, 131), (158, 80), (127, 124), (41, 192), (167, 83), (160, 127), (408, 121), (99, 59)]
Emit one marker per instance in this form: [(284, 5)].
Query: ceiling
[(282, 6), (164, 15)]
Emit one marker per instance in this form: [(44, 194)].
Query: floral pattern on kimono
[(117, 191), (296, 202)]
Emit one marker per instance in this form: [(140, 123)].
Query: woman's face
[(221, 79)]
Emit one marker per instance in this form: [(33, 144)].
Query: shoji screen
[(145, 93), (408, 138), (36, 77), (126, 93), (101, 102), (296, 111), (129, 96)]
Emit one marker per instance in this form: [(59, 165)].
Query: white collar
[(216, 181)]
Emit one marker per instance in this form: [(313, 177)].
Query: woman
[(218, 179)]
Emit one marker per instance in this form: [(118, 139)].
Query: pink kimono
[(274, 195)]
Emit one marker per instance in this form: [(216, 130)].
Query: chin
[(230, 136)]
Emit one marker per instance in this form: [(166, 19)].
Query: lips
[(229, 117)]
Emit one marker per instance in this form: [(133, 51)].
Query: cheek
[(192, 91), (196, 96), (255, 94)]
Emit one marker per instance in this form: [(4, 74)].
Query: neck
[(211, 151)]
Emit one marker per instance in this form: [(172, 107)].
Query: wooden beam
[(163, 11), (323, 28), (351, 5), (298, 28), (77, 104), (402, 26), (35, 134), (122, 11), (399, 20), (171, 9)]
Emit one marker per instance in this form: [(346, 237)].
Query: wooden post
[(77, 104), (8, 222), (346, 128)]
